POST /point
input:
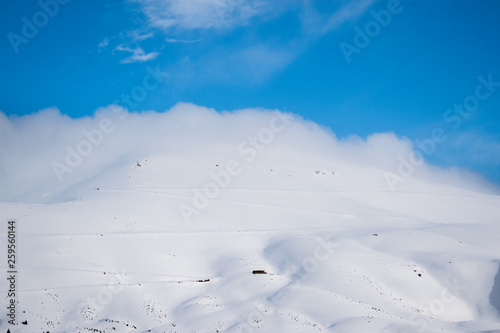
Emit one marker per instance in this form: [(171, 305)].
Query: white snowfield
[(161, 229)]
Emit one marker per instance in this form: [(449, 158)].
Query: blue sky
[(406, 72)]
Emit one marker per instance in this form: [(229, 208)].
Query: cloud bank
[(43, 153)]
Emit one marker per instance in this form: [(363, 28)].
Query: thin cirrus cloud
[(316, 24), (229, 14), (261, 61), (244, 60), (349, 11), (224, 65), (103, 44), (201, 14), (137, 55), (138, 36), (174, 17)]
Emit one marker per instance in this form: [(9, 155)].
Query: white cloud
[(230, 14), (31, 144), (174, 40), (248, 59), (104, 43), (138, 36), (316, 23), (246, 65), (138, 54), (201, 14)]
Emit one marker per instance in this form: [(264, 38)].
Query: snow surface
[(108, 249)]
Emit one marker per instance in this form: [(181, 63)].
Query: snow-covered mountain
[(157, 222)]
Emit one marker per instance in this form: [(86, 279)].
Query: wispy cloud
[(248, 59), (352, 10), (103, 44), (255, 63), (245, 60), (138, 55), (240, 66), (138, 35), (317, 23), (201, 14), (174, 40), (230, 14)]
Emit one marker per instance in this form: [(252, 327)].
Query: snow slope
[(112, 249)]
